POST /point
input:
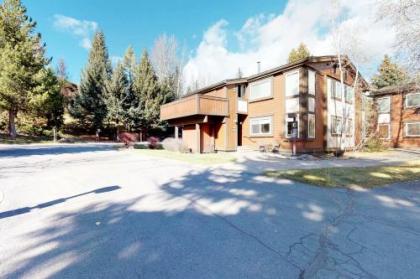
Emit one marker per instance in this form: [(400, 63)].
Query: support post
[(198, 137), (176, 132)]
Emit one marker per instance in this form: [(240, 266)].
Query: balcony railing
[(194, 105)]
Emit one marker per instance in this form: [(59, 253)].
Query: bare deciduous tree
[(404, 16)]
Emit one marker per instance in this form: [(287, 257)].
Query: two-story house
[(299, 103), (398, 115)]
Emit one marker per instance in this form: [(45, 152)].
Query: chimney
[(258, 67)]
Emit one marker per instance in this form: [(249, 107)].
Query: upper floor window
[(261, 89), (412, 100), (334, 87), (384, 104), (349, 94), (311, 82), (311, 104), (261, 126), (292, 83)]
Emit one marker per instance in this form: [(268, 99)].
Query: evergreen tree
[(89, 105), (146, 88), (116, 90), (21, 58), (46, 99), (389, 73), (301, 52)]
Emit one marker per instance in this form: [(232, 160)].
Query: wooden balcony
[(194, 105)]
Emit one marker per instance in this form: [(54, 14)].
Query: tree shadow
[(14, 152), (220, 224)]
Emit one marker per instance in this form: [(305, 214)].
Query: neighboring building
[(398, 115), (300, 102)]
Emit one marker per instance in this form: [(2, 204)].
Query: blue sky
[(220, 36), (137, 23)]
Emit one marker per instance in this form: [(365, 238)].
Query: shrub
[(176, 145), (374, 144), (128, 138), (153, 143)]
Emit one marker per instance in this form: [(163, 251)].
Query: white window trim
[(409, 94), (389, 101), (313, 98), (389, 130), (314, 83), (285, 82), (314, 135), (406, 129), (270, 80), (261, 134), (285, 125), (341, 128)]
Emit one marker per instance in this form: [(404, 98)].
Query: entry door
[(239, 132)]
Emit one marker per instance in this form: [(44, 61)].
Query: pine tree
[(146, 88), (46, 99), (116, 90), (21, 58), (301, 52), (89, 105), (389, 73)]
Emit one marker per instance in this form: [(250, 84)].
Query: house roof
[(395, 89), (279, 69)]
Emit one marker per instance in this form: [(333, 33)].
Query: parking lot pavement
[(104, 213)]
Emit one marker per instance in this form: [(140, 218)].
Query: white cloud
[(269, 39), (82, 29)]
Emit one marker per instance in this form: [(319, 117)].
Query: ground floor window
[(261, 126), (311, 125), (336, 125), (412, 129), (292, 125), (384, 131)]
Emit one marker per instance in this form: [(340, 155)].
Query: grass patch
[(193, 158), (366, 177)]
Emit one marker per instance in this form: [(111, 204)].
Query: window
[(384, 131), (336, 125), (335, 89), (292, 105), (261, 89), (311, 104), (384, 104), (311, 125), (349, 94), (241, 90), (261, 126), (292, 126), (311, 82), (292, 83), (412, 100), (349, 127), (412, 129)]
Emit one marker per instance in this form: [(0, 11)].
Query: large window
[(412, 100), (336, 125), (412, 129), (384, 131), (292, 125), (311, 82), (311, 126), (292, 83), (335, 89), (384, 104), (349, 94), (261, 126), (261, 89)]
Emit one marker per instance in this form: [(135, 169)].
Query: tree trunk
[(11, 126)]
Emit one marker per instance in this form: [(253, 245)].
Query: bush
[(176, 145), (374, 144), (153, 143), (128, 138)]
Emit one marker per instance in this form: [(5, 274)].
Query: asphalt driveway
[(101, 213)]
